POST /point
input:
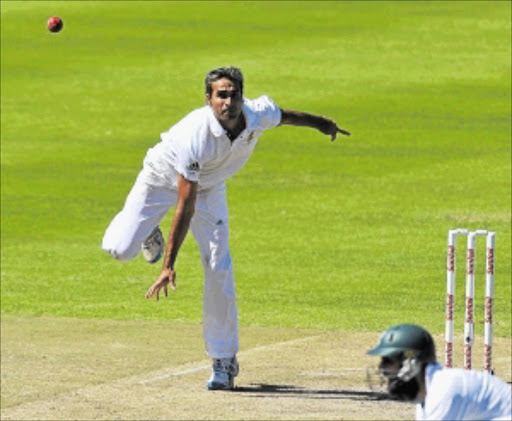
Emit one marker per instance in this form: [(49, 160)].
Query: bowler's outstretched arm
[(322, 124)]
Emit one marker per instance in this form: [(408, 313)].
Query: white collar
[(215, 126), (250, 119)]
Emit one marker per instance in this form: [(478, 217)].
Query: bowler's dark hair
[(234, 74)]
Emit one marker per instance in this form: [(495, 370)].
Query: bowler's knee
[(118, 252), (122, 257)]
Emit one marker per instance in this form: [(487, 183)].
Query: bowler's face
[(226, 101)]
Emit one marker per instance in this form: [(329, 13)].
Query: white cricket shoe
[(153, 246), (224, 372)]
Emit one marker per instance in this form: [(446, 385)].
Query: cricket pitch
[(63, 369)]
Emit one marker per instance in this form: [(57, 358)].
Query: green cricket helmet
[(412, 341)]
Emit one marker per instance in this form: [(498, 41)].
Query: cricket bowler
[(187, 170)]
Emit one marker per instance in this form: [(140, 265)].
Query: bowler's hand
[(168, 276), (329, 127)]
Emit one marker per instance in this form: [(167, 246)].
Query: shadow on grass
[(273, 390)]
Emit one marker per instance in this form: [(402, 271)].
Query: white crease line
[(277, 344), (203, 367), (343, 369), (176, 373)]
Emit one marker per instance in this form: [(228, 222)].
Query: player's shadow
[(274, 390)]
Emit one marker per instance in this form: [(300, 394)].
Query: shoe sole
[(160, 253)]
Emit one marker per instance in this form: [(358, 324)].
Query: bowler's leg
[(220, 314), (145, 206)]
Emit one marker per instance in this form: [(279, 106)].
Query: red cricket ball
[(55, 24)]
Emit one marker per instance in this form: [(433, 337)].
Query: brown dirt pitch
[(62, 369)]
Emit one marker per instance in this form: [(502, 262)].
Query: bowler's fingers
[(150, 293), (343, 132), (173, 281), (153, 291), (336, 131)]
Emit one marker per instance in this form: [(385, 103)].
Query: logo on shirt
[(194, 166)]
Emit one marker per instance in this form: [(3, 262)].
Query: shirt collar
[(215, 126), (250, 117)]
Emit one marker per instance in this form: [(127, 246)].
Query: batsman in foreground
[(187, 170), (409, 364)]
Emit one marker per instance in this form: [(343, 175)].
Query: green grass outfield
[(349, 235)]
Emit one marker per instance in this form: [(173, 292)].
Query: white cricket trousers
[(146, 205)]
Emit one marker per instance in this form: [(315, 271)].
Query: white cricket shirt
[(198, 148), (457, 394)]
